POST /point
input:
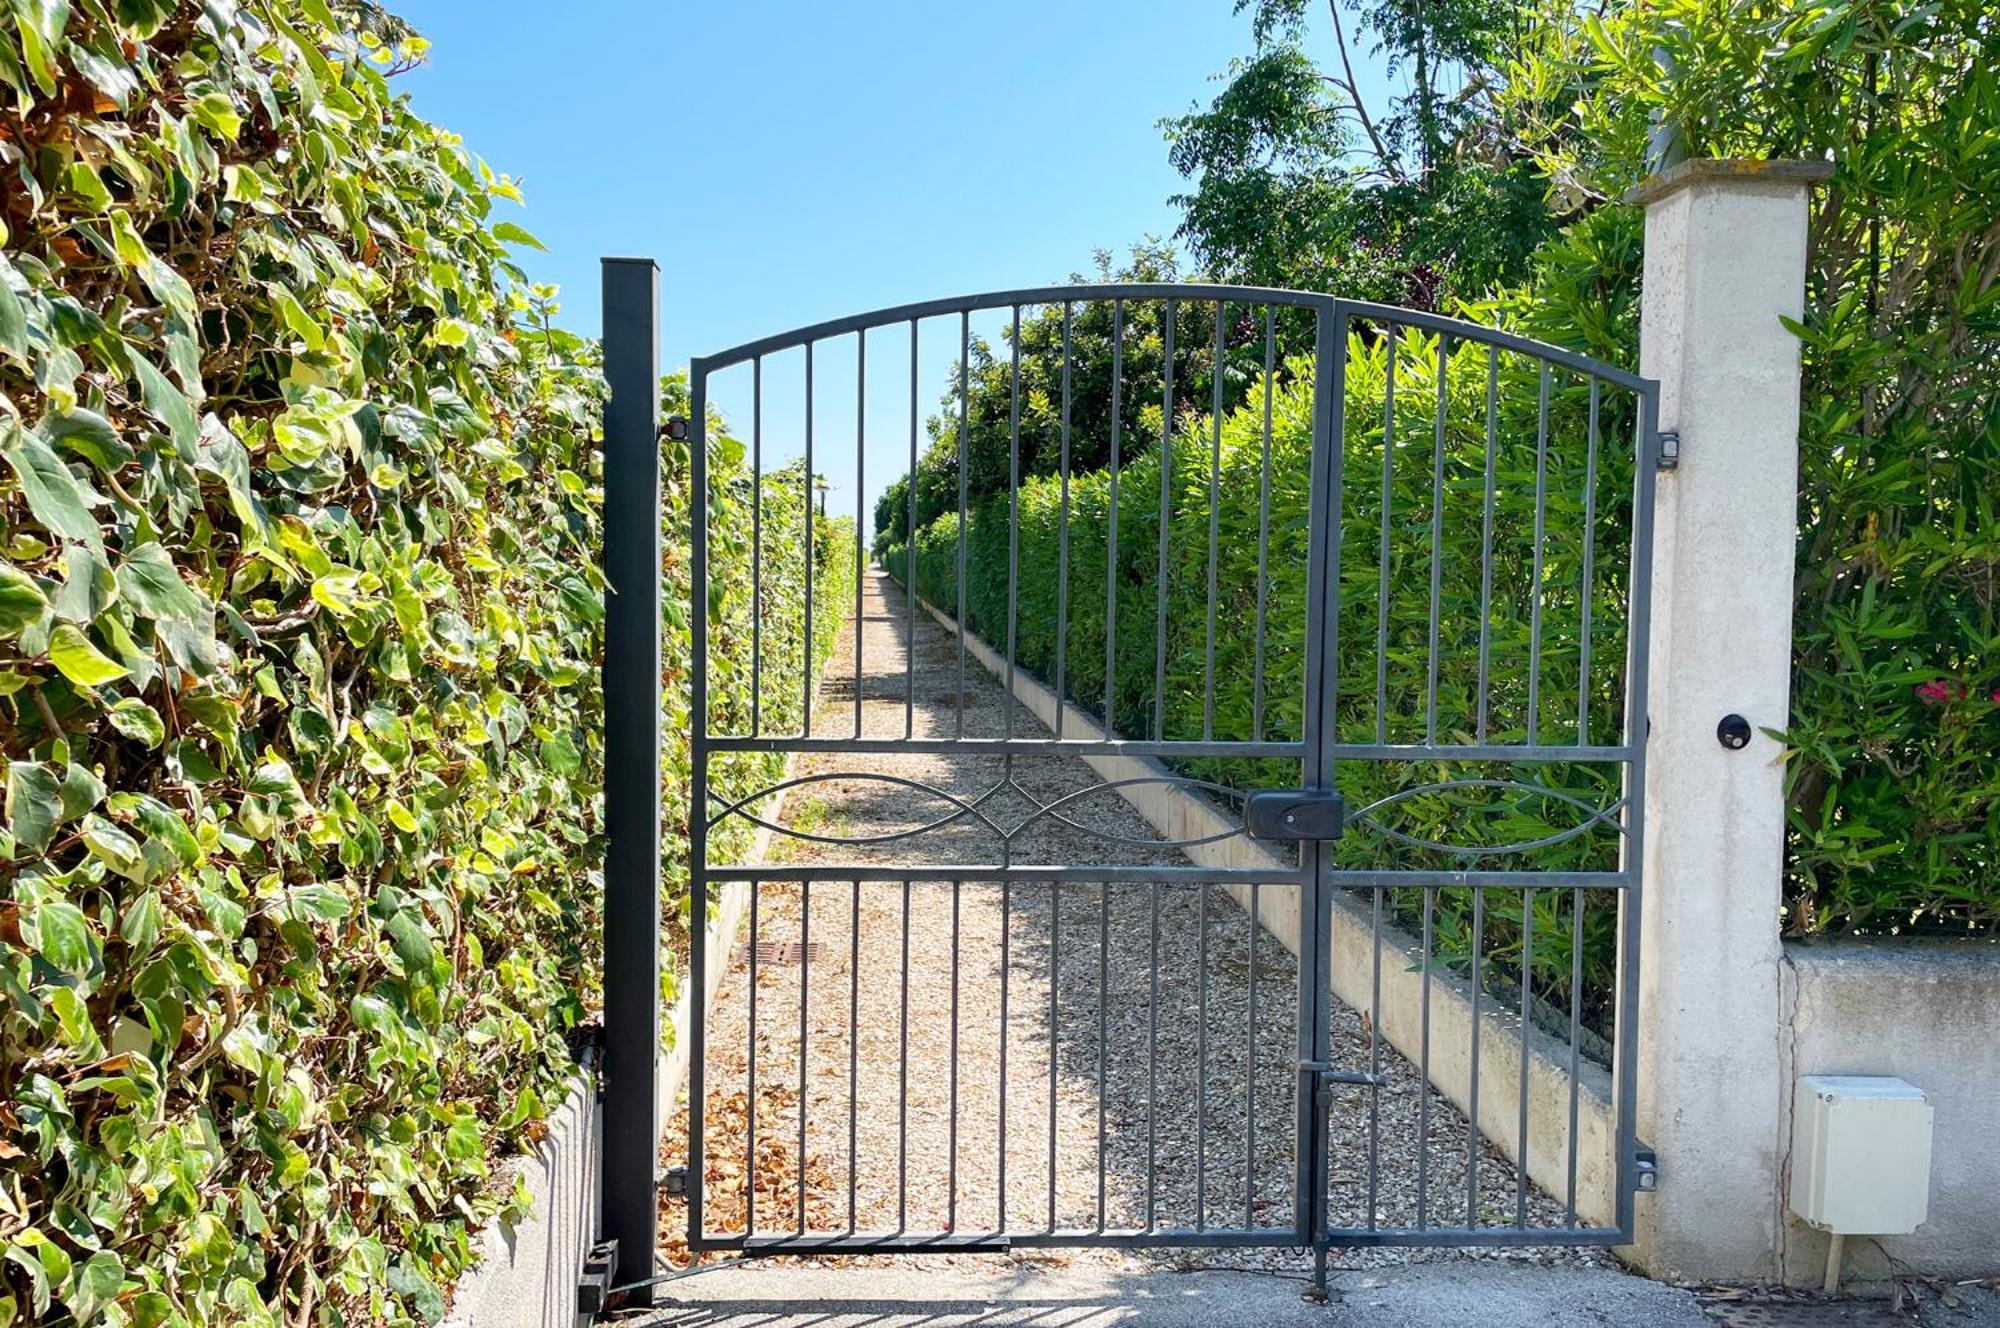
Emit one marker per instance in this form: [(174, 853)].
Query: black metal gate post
[(631, 762)]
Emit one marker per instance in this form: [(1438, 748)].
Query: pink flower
[(1995, 698), (1938, 692)]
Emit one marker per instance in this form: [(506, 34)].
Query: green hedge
[(1485, 817), (299, 647)]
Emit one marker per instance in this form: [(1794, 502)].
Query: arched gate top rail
[(1198, 292)]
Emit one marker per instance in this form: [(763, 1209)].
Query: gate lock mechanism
[(1294, 814)]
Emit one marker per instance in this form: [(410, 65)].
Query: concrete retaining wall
[(527, 1273), (1928, 1012), (1178, 813)]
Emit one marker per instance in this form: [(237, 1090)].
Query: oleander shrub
[(299, 648), (1233, 469), (1894, 787)]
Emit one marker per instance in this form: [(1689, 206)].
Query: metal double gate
[(1180, 829)]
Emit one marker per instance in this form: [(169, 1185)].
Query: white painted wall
[(1725, 264), (1927, 1012)]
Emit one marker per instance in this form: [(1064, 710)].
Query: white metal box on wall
[(1861, 1154)]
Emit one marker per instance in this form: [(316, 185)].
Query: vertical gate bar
[(1055, 967), (756, 545), (1375, 1057), (1486, 537), (903, 1076), (951, 1145), (631, 937), (1527, 1021), (964, 460), (1166, 525), (1103, 1028), (1575, 1040), (1013, 517), (1062, 542), (1535, 602), (910, 559), (1318, 731), (1472, 1088), (860, 512), (1625, 1069), (1201, 1063), (1250, 1078), (1153, 1067), (1263, 527), (853, 1047), (1006, 931), (806, 492), (1589, 571), (1424, 1070), (750, 1094), (1214, 533), (1392, 337), (1111, 529), (805, 1009), (1437, 535)]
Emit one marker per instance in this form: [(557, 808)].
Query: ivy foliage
[(298, 688)]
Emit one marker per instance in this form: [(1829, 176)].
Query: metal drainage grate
[(780, 954)]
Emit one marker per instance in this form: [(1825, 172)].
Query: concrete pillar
[(1725, 262)]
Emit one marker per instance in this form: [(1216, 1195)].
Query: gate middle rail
[(1217, 638)]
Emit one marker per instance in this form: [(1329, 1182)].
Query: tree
[(1139, 328), (1297, 181)]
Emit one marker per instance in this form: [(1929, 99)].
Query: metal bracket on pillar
[(1670, 450), (1645, 1169)]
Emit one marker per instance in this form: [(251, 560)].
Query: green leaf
[(315, 900), (116, 849), (54, 495), (81, 790), (80, 661), (148, 580), (140, 925), (34, 804), (88, 434), (21, 601), (513, 234), (63, 938), (167, 404), (13, 316), (135, 719), (216, 112)]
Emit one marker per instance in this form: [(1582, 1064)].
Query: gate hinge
[(600, 1274), (1670, 449), (674, 1180), (675, 428), (1645, 1169)]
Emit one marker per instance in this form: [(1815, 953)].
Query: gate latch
[(1294, 814), (674, 1180)]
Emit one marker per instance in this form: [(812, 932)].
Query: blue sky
[(789, 162)]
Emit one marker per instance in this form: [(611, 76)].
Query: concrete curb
[(1182, 814), (526, 1275)]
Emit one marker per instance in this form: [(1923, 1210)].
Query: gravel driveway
[(980, 1056)]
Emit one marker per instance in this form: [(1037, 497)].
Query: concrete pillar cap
[(1747, 170)]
